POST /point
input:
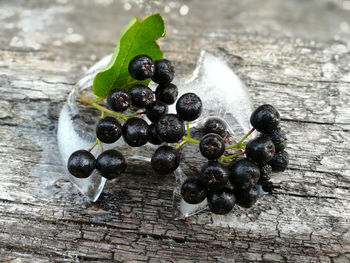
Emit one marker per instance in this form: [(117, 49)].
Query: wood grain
[(282, 52)]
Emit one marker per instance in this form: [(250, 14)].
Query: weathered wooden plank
[(45, 48)]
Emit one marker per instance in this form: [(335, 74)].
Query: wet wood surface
[(292, 54)]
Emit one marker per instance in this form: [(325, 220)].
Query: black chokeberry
[(170, 128), (260, 150), (141, 67), (108, 130), (193, 191), (244, 174), (215, 125), (212, 146), (278, 137), (167, 93), (214, 175), (135, 132), (164, 71), (221, 201), (265, 173), (165, 160), (156, 110), (141, 96), (119, 100), (153, 135), (265, 118), (81, 163), (246, 199), (189, 107), (110, 164), (280, 161)]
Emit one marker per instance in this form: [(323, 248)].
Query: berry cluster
[(224, 179), (135, 131), (226, 185)]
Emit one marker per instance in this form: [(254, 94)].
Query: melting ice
[(221, 91)]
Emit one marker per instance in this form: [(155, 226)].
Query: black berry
[(141, 96), (189, 107), (119, 100), (135, 132), (170, 128), (244, 174), (108, 130), (246, 199), (141, 67), (215, 125), (260, 150), (81, 164), (267, 186), (265, 118), (221, 201), (167, 93), (153, 135), (164, 71), (265, 173), (165, 160), (193, 191), (214, 175), (278, 137), (110, 164), (212, 146), (280, 161), (156, 110)]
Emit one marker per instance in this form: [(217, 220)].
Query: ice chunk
[(69, 140), (222, 93)]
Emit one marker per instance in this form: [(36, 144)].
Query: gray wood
[(292, 54)]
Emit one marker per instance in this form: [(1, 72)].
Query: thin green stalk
[(99, 145), (101, 108), (105, 110), (227, 159), (98, 99), (238, 144), (188, 129), (191, 140), (134, 114), (93, 146), (180, 144), (187, 138)]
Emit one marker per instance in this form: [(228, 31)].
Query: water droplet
[(184, 10), (167, 9), (127, 6)]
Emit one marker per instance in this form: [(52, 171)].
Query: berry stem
[(240, 143), (105, 110), (191, 140), (101, 108), (180, 144), (134, 114), (187, 138), (97, 99), (229, 158), (99, 145), (93, 146), (188, 129)]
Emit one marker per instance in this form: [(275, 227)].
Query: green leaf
[(138, 38)]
